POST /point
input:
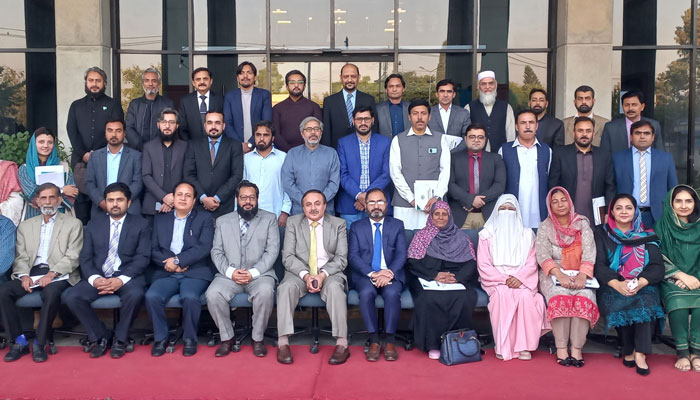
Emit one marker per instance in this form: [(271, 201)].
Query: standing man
[(215, 167), (194, 106), (142, 114), (314, 255), (617, 133), (287, 114), (550, 130), (338, 107), (446, 119), (392, 114), (477, 179), (311, 166), (364, 164), (584, 100), (377, 253), (496, 115), (417, 154)]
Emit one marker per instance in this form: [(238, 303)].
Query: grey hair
[(98, 70), (307, 120), (153, 70), (168, 110)]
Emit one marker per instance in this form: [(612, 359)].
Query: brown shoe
[(340, 355), (224, 348), (259, 349), (373, 352), (390, 353), (284, 355)]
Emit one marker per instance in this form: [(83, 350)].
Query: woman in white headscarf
[(508, 273)]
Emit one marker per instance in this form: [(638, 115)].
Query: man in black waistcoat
[(496, 115)]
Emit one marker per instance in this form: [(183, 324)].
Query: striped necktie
[(108, 267), (349, 107), (643, 194)]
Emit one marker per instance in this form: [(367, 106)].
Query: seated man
[(377, 254), (314, 255), (49, 245), (246, 245), (180, 247), (116, 252)]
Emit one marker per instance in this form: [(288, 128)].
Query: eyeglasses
[(363, 119), (312, 129), (246, 198), (166, 122), (300, 82), (376, 203), (480, 137)]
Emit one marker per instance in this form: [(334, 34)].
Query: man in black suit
[(116, 251), (616, 133), (162, 164), (550, 130), (584, 170), (472, 200), (392, 114), (194, 106), (142, 114), (215, 167), (338, 107)]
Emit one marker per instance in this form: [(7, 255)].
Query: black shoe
[(190, 348), (39, 353), (118, 349), (16, 352), (159, 348), (99, 348), (628, 363), (576, 363), (564, 362), (642, 371)]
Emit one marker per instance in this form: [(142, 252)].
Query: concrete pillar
[(584, 53)]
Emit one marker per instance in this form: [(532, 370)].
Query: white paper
[(50, 174), (36, 278), (424, 190), (453, 141), (598, 208), (435, 285), (590, 283)]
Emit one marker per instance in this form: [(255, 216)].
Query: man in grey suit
[(114, 163), (392, 114), (616, 133), (141, 116), (246, 245), (447, 118), (314, 255)]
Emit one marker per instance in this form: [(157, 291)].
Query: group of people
[(207, 199)]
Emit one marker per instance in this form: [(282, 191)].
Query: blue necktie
[(349, 108), (377, 254)]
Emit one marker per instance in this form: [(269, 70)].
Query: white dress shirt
[(117, 261), (254, 273), (374, 232), (321, 254), (445, 115)]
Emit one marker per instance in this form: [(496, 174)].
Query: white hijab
[(511, 241)]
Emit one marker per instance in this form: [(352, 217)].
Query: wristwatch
[(250, 145), (176, 261)]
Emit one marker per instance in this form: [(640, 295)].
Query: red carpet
[(72, 375)]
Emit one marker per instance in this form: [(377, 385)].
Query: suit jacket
[(361, 248), (197, 239), (615, 136), (191, 126), (219, 179), (492, 184), (295, 252), (550, 130), (260, 109), (384, 118), (129, 173), (153, 168), (64, 246), (257, 250), (136, 120), (456, 125), (662, 178), (597, 133), (564, 171), (351, 169), (335, 116), (134, 248)]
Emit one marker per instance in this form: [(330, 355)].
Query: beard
[(98, 94), (538, 109), (247, 214), (377, 214), (584, 108), (150, 92), (262, 146), (49, 210), (487, 99), (167, 138), (297, 92)]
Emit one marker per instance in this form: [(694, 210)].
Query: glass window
[(27, 24), (651, 22), (508, 24), (229, 25), (302, 24), (153, 24), (132, 67), (517, 74), (12, 33), (364, 24), (434, 24), (422, 71), (13, 93)]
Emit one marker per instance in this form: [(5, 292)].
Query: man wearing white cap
[(496, 115)]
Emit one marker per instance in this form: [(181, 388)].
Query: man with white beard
[(496, 115), (142, 114)]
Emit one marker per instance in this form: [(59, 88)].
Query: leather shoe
[(340, 355), (259, 349), (16, 352), (118, 349), (39, 353), (284, 354), (190, 348), (159, 348), (373, 352), (224, 348), (390, 353), (98, 348)]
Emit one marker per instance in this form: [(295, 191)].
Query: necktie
[(108, 267), (313, 258), (377, 253), (642, 178), (476, 173), (203, 108), (147, 122), (212, 151), (349, 108), (244, 228)]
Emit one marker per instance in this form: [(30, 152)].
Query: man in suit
[(584, 170), (194, 106), (377, 253), (392, 114), (245, 106), (180, 247), (645, 172), (246, 245), (496, 115), (364, 164), (115, 253), (477, 179), (338, 107), (314, 255), (617, 134), (447, 119), (162, 165), (214, 166), (550, 130), (287, 114), (114, 163), (584, 100), (48, 245), (142, 114)]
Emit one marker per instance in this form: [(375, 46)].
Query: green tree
[(12, 98), (277, 79), (132, 86)]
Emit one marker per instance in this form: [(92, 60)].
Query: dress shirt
[(471, 168), (321, 254), (113, 161), (364, 162), (352, 100), (266, 173), (510, 123), (396, 113), (635, 166), (117, 261), (216, 152), (42, 254), (311, 169), (254, 273), (628, 124), (445, 115), (246, 100), (167, 167), (178, 239), (207, 96), (374, 232)]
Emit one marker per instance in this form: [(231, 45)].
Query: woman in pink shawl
[(11, 201), (508, 273)]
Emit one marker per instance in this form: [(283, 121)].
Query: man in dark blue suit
[(645, 172), (116, 251), (181, 242), (377, 254), (364, 165), (245, 106)]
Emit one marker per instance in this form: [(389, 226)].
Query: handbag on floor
[(460, 347)]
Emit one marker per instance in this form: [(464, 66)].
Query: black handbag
[(460, 347)]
